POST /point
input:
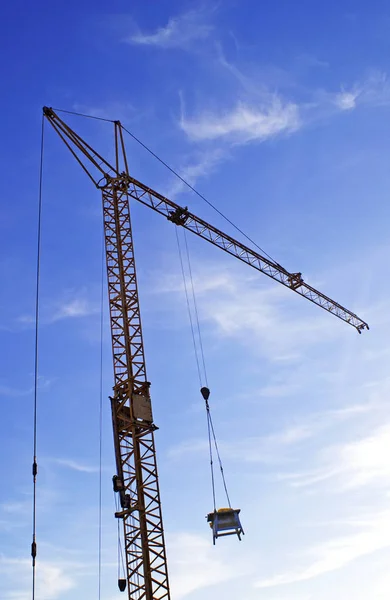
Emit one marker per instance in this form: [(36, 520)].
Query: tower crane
[(136, 479)]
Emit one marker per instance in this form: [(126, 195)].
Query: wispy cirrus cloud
[(355, 464), (53, 581), (76, 307), (244, 122), (266, 316), (199, 167), (373, 534), (346, 100), (267, 449), (74, 304), (276, 447), (75, 465), (180, 31), (194, 565), (260, 115), (374, 90), (15, 392)]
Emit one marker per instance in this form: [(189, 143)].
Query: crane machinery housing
[(136, 479)]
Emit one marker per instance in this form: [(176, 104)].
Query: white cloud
[(361, 463), (192, 446), (375, 90), (75, 465), (52, 582), (179, 32), (77, 307), (73, 305), (245, 122), (19, 505), (15, 507), (10, 525), (267, 449), (6, 390), (372, 91), (195, 170), (275, 447), (216, 280), (366, 460), (43, 383), (266, 316), (260, 115), (194, 564), (333, 554), (346, 100)]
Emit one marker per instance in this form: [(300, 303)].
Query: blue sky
[(278, 112)]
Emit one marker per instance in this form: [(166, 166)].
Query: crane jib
[(182, 217)]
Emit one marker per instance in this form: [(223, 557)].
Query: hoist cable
[(210, 426), (36, 347), (219, 458), (116, 503), (119, 551), (196, 310), (211, 432), (211, 457), (196, 192), (120, 559), (188, 307), (101, 422)]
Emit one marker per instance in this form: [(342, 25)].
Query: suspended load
[(225, 521), (122, 585)]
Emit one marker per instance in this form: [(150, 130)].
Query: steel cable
[(101, 421), (195, 309), (196, 192), (189, 308), (36, 353)]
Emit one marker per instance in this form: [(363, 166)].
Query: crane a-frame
[(136, 480)]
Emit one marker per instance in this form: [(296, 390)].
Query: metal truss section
[(147, 576), (182, 217)]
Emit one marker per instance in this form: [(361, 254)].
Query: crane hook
[(205, 393)]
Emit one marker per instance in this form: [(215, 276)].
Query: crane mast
[(136, 480)]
